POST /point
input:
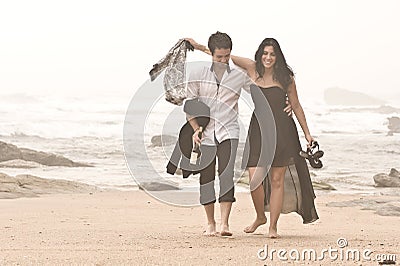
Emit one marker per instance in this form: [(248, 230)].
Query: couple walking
[(272, 144)]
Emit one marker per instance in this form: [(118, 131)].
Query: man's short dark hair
[(219, 40)]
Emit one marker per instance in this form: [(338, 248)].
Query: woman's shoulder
[(253, 74)]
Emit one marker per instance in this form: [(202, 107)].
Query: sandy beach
[(133, 228)]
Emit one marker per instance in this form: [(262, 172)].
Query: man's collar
[(228, 68)]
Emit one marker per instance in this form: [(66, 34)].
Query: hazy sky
[(110, 46)]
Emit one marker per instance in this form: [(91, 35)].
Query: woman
[(275, 80)]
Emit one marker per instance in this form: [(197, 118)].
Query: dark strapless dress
[(273, 140)]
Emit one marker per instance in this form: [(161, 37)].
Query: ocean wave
[(18, 98), (383, 109), (337, 132), (392, 152)]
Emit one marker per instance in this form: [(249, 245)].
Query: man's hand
[(288, 109), (196, 138), (196, 45)]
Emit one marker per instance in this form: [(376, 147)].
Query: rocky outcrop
[(33, 186), (19, 164), (388, 180), (393, 125), (11, 152), (163, 140), (337, 96)]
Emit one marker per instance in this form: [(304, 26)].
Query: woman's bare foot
[(259, 221), (273, 233), (210, 230), (225, 230)]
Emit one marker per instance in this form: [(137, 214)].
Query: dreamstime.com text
[(334, 254)]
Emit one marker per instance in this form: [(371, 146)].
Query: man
[(219, 86)]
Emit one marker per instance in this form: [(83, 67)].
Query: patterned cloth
[(174, 78)]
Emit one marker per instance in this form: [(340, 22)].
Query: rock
[(394, 125), (322, 185), (33, 186), (391, 180), (387, 109), (337, 96), (383, 207), (366, 204), (163, 140), (19, 164), (11, 152), (157, 186), (389, 210), (49, 159), (394, 173), (341, 204)]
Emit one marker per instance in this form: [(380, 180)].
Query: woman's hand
[(310, 140)]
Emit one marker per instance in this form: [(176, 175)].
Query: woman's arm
[(245, 63), (298, 111)]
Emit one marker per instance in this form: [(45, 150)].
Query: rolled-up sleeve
[(246, 83)]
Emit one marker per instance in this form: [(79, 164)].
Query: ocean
[(90, 129)]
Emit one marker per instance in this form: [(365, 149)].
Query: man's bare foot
[(259, 221), (210, 230), (225, 230), (273, 233)]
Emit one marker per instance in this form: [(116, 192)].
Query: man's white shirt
[(222, 99)]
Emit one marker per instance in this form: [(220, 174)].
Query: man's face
[(221, 55)]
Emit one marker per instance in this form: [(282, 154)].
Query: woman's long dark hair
[(282, 71)]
